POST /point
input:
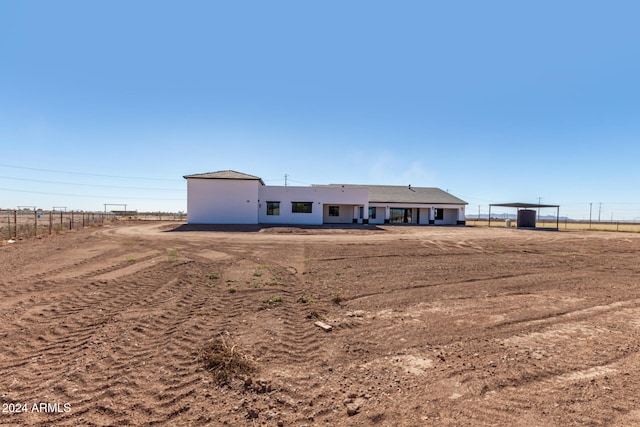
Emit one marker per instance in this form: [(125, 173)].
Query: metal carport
[(519, 206)]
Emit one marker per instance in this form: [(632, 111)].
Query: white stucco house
[(230, 197)]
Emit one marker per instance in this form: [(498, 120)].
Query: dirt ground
[(444, 326)]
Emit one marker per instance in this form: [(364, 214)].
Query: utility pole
[(539, 202), (599, 211), (285, 179), (590, 208)]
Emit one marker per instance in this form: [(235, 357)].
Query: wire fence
[(154, 216), (16, 224), (23, 223), (563, 224)]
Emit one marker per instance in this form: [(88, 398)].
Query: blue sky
[(496, 101)]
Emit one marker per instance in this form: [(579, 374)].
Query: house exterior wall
[(244, 201), (380, 215), (319, 196), (345, 214), (222, 201), (452, 215), (425, 216)]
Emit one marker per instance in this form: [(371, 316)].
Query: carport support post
[(558, 218), (489, 216)]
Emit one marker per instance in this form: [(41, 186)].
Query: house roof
[(225, 174), (407, 194)]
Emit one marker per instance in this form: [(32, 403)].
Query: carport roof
[(524, 205)]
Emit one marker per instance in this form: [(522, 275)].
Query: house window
[(301, 207), (334, 210), (400, 215), (372, 213), (439, 214), (273, 208)]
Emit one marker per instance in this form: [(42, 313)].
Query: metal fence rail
[(564, 224), (15, 224)]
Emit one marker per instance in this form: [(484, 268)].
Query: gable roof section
[(407, 194), (225, 174)]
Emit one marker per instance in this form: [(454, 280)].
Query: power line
[(88, 195), (88, 185), (86, 173)]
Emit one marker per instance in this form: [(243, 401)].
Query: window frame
[(302, 207), (334, 211), (271, 210)]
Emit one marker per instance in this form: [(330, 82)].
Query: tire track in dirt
[(122, 347), (88, 312), (281, 332), (544, 362)]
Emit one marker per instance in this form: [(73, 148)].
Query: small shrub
[(305, 299), (213, 276), (132, 259), (337, 297), (274, 299), (233, 290), (257, 273), (224, 360), (172, 254)]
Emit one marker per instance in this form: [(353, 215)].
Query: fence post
[(71, 222), (15, 224), (50, 222), (35, 223)]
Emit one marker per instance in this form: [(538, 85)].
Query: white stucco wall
[(222, 201), (320, 196), (380, 215), (231, 201), (425, 216), (345, 217), (451, 215)]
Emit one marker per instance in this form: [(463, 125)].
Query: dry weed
[(223, 359)]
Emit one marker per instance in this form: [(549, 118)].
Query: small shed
[(526, 217)]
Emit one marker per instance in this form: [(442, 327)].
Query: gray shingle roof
[(406, 194), (225, 174)]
